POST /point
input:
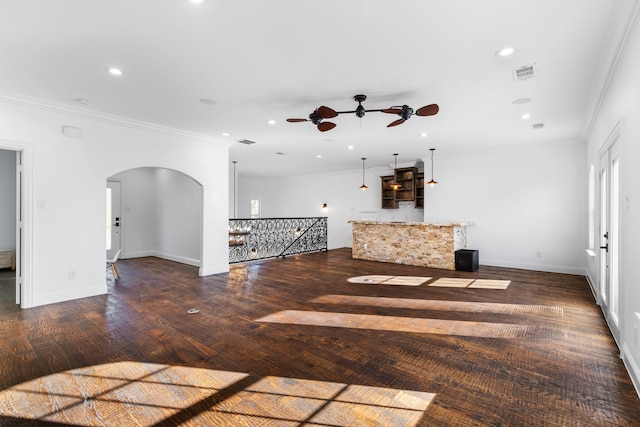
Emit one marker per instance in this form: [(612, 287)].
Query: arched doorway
[(158, 213)]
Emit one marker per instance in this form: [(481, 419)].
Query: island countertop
[(412, 223), (413, 243)]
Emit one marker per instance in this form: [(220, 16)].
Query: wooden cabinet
[(411, 188), (420, 190), (388, 193), (406, 178)]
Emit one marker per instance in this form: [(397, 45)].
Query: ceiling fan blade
[(428, 110), (296, 120), (396, 123), (325, 126), (392, 110), (327, 112)]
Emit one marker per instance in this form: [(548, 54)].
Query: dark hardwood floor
[(291, 342)]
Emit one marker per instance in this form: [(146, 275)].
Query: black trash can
[(467, 259)]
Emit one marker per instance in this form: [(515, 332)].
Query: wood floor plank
[(359, 359)]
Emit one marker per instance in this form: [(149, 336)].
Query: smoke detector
[(537, 126), (525, 73)]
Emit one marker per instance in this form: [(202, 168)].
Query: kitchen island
[(412, 243)]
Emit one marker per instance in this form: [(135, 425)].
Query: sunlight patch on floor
[(444, 282), (145, 394), (399, 324), (439, 305), (389, 280)]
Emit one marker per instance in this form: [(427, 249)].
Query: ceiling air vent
[(537, 126), (246, 141), (524, 73)]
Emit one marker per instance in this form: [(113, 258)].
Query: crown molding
[(621, 24), (87, 114)]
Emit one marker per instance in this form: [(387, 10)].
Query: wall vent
[(246, 141), (524, 73), (537, 126)]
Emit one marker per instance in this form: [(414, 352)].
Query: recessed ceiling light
[(350, 147), (114, 71), (424, 135), (505, 51), (271, 122), (197, 1), (525, 116), (521, 101), (207, 101), (226, 134), (319, 156)]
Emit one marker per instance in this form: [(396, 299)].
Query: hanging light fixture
[(363, 187), (234, 189), (393, 184), (432, 182)]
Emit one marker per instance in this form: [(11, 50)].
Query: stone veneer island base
[(412, 243)]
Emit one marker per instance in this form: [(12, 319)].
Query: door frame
[(24, 207), (613, 242), (111, 252)]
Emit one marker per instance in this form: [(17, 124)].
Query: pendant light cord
[(234, 189)]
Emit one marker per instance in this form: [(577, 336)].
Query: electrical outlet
[(72, 275), (538, 254)]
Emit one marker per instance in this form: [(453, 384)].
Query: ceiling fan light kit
[(404, 112)]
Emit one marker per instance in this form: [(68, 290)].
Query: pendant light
[(393, 184), (432, 182), (363, 187), (234, 189)]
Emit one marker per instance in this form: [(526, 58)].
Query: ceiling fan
[(404, 111)]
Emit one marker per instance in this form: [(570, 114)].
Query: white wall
[(7, 199), (528, 204), (66, 178), (179, 217), (621, 103), (525, 200)]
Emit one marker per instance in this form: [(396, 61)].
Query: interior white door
[(610, 199), (603, 230), (114, 219)]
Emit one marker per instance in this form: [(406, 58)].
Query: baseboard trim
[(534, 267), (171, 257), (68, 295), (592, 286), (177, 258), (632, 367)]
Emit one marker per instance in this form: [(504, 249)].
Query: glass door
[(609, 230)]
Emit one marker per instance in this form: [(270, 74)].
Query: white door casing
[(114, 218)]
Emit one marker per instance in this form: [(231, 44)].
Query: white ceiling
[(261, 60)]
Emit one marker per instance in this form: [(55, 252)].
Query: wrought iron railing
[(261, 238)]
